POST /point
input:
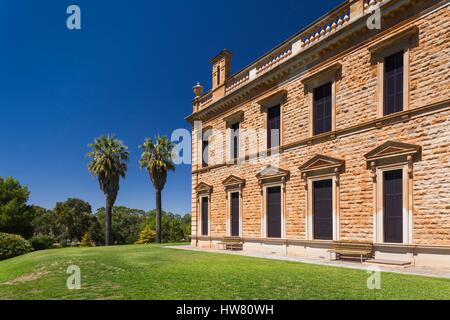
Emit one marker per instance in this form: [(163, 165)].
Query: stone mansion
[(355, 143)]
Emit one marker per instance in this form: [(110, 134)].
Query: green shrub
[(147, 236), (87, 241), (42, 242), (12, 245)]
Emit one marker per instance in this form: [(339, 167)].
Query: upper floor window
[(233, 136), (391, 55), (273, 127), (320, 94), (393, 83), (235, 140), (205, 148), (322, 109)]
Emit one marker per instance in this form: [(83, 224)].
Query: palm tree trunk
[(158, 216), (108, 227)]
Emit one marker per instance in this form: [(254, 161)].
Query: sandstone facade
[(358, 129)]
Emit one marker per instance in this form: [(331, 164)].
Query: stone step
[(394, 263)]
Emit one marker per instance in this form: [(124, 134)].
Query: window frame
[(206, 138), (270, 177), (389, 156), (200, 224), (381, 79), (310, 206), (316, 80), (264, 224), (267, 128), (379, 236), (384, 48), (229, 228), (237, 117), (272, 100)]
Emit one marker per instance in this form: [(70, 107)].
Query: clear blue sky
[(129, 71)]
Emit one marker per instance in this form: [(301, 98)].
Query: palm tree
[(157, 159), (109, 157)]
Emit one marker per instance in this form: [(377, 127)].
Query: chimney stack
[(221, 71)]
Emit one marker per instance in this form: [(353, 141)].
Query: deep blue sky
[(129, 71)]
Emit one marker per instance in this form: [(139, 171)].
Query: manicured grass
[(151, 272)]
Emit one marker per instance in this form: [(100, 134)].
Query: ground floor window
[(323, 209), (235, 214), (393, 206), (205, 216), (274, 212)]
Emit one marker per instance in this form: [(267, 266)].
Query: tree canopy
[(15, 215)]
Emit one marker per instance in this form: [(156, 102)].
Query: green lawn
[(151, 272)]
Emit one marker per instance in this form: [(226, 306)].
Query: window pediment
[(272, 173), (323, 76), (321, 162), (232, 181), (401, 39), (203, 187), (272, 100), (392, 149), (234, 118)]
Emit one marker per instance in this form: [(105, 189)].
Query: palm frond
[(109, 162), (157, 158)]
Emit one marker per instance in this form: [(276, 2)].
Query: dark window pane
[(205, 153), (322, 112), (235, 214), (205, 216), (323, 209), (274, 212), (393, 83), (235, 141), (273, 127), (393, 206)]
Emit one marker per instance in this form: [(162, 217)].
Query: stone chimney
[(221, 71)]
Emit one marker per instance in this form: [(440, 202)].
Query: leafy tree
[(15, 214), (126, 223), (186, 222), (157, 159), (175, 228), (109, 157), (45, 224), (75, 218)]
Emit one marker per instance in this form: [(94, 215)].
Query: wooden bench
[(364, 250), (232, 243)]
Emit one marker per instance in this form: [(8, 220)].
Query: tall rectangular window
[(323, 209), (274, 212), (205, 215), (393, 206), (235, 214), (205, 153), (235, 140), (393, 83), (322, 109), (273, 127)]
